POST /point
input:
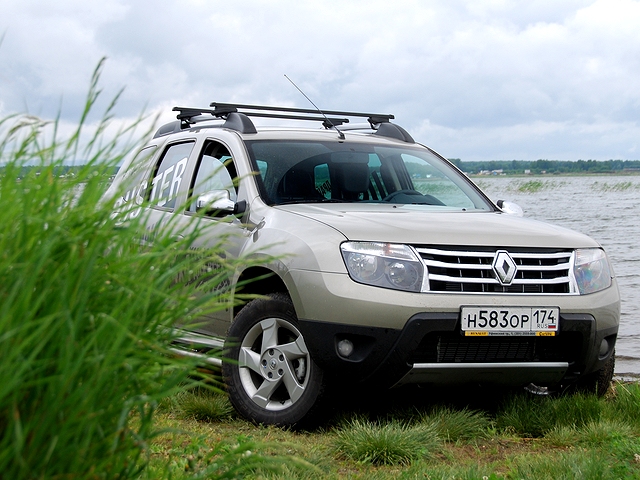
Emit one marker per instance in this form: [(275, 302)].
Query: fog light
[(345, 348), (604, 348)]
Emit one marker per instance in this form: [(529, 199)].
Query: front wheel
[(599, 381), (270, 376)]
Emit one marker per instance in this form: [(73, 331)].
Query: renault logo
[(504, 267)]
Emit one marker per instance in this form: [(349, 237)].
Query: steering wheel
[(393, 195)]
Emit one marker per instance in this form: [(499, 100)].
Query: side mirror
[(216, 201), (510, 208)]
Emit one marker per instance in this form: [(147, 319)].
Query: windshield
[(317, 172)]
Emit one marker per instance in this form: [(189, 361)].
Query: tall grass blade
[(85, 310)]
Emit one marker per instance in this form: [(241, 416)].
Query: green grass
[(626, 406), (561, 466), (614, 187), (534, 186), (597, 432), (385, 443), (458, 424), (86, 311), (583, 437), (531, 416), (203, 405)]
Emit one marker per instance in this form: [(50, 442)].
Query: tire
[(599, 381), (269, 374)]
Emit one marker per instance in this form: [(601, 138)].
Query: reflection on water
[(603, 207)]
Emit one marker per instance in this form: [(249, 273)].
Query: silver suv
[(383, 262)]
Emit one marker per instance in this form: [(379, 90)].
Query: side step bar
[(196, 345)]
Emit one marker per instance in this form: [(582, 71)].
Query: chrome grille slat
[(468, 271), (523, 281), (470, 266), (455, 253), (534, 281), (543, 268)]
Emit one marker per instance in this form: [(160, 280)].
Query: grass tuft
[(535, 416), (595, 433), (388, 443), (454, 425), (564, 466), (533, 186), (614, 187), (203, 405), (604, 432), (624, 404)]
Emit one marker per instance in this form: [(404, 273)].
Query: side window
[(168, 176), (215, 173)]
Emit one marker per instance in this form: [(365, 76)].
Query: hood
[(418, 225)]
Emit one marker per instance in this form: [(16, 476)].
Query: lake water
[(605, 208)]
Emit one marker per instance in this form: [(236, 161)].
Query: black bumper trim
[(387, 355)]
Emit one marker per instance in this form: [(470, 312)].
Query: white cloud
[(535, 140), (475, 79)]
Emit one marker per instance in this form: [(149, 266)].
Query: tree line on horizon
[(514, 167), (57, 170)]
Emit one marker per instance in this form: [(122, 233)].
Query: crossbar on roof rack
[(334, 121), (189, 116), (233, 107)]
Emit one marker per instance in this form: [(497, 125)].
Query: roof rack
[(236, 118), (373, 118)]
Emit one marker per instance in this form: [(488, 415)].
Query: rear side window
[(133, 181), (132, 184), (168, 176)]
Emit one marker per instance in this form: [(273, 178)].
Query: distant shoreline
[(548, 167), (558, 174)]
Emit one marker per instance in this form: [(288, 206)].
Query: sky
[(475, 80)]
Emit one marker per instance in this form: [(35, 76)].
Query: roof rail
[(236, 118)]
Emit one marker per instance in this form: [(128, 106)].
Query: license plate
[(510, 321)]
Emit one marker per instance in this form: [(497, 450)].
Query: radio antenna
[(340, 134)]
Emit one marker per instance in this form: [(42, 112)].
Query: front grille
[(452, 347), (475, 271)]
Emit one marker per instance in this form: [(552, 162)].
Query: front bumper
[(404, 338), (431, 350)]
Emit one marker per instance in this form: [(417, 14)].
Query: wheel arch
[(259, 281)]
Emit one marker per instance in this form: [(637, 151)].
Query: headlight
[(385, 265), (591, 270)]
